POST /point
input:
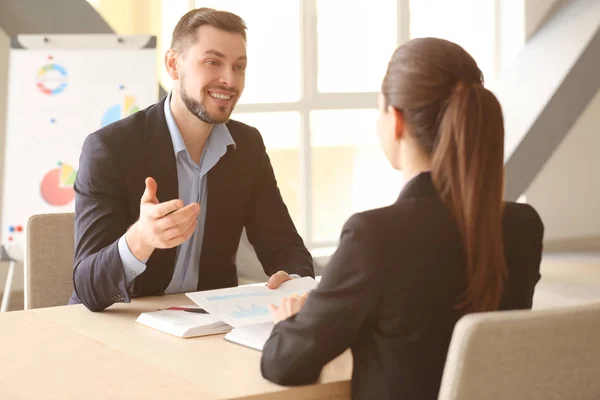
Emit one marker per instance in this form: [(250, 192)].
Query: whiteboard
[(61, 88)]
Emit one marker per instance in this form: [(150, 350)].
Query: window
[(353, 51), (273, 73), (281, 134), (469, 23), (350, 171), (278, 77), (511, 15), (312, 83)]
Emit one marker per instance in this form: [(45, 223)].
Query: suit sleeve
[(333, 316), (527, 263), (131, 265), (270, 228), (100, 220)]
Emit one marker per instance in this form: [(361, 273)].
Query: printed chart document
[(244, 305), (246, 309)]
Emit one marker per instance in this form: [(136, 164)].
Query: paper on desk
[(253, 336), (243, 305)]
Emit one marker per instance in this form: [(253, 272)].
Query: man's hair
[(185, 35)]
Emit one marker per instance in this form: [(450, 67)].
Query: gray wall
[(50, 16), (547, 88), (566, 192), (537, 12)]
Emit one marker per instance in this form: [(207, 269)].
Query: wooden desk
[(71, 353)]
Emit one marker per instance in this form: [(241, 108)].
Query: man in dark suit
[(163, 195)]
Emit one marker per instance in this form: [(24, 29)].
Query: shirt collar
[(220, 136)]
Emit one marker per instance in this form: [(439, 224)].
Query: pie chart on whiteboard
[(57, 186), (120, 110)]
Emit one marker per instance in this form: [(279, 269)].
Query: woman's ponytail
[(468, 171)]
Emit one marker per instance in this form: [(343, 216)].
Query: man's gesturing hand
[(161, 225)]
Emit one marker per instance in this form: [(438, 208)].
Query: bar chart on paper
[(243, 306), (241, 309), (255, 304), (252, 311)]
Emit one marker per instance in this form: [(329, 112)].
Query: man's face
[(212, 74)]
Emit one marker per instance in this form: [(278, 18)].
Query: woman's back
[(417, 251), (403, 275), (390, 293)]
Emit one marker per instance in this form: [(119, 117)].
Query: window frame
[(312, 100)]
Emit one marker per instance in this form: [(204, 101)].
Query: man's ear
[(398, 122), (171, 59)]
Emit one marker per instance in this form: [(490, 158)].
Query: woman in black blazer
[(403, 275)]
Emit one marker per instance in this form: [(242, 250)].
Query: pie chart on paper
[(120, 110), (57, 186)]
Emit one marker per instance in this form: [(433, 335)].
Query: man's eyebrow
[(221, 55), (215, 52)]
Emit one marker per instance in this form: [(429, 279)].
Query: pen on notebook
[(194, 310)]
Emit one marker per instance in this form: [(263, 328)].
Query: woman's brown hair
[(439, 89)]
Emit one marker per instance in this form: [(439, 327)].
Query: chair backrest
[(540, 354), (49, 260)]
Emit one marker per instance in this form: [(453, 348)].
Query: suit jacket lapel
[(162, 163), (219, 178), (219, 184)]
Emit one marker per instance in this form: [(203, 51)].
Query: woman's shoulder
[(432, 208), (397, 220), (521, 217)]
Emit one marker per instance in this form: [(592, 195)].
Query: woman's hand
[(289, 306)]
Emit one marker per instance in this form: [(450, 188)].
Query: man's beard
[(200, 111)]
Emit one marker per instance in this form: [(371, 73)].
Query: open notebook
[(245, 308), (251, 336), (182, 323)]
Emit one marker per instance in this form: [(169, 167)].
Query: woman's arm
[(334, 314)]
